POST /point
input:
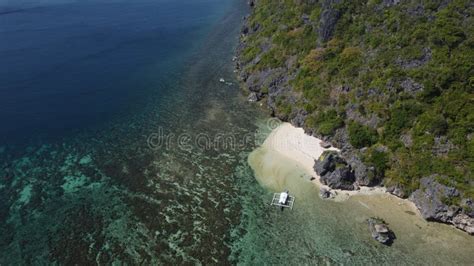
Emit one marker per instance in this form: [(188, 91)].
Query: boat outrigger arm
[(283, 200)]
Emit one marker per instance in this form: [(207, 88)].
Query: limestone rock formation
[(437, 202)]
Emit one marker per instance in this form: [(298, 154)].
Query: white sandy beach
[(300, 150)]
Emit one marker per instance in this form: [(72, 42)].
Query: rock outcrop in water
[(380, 231), (326, 193), (437, 202)]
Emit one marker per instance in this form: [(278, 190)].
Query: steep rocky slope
[(389, 82)]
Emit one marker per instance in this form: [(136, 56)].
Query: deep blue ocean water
[(83, 85), (67, 66)]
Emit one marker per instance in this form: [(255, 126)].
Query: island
[(389, 84)]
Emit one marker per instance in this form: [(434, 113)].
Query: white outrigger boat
[(283, 200)]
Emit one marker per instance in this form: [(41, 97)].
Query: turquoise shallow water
[(326, 232), (111, 194), (103, 195)]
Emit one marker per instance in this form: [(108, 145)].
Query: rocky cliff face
[(328, 20), (338, 173), (437, 202), (334, 171), (386, 82)]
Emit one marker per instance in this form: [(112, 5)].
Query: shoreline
[(296, 152), (343, 221), (297, 147)]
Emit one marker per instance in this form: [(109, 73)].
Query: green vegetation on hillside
[(409, 66)]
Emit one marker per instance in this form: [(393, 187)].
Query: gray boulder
[(327, 162), (325, 145), (397, 190), (252, 97), (326, 193), (334, 171), (464, 222), (341, 178)]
